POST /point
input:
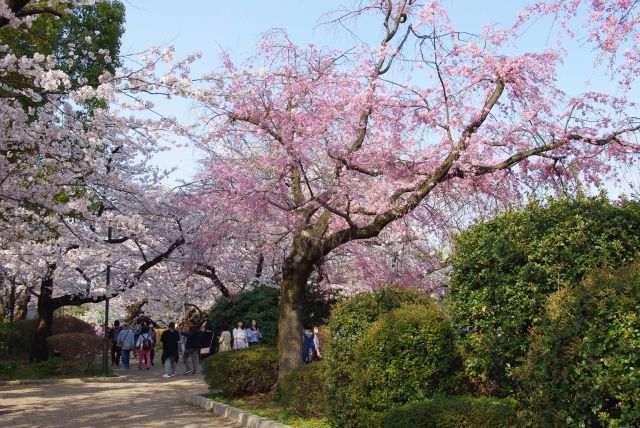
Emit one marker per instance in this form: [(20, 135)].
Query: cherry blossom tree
[(331, 150)]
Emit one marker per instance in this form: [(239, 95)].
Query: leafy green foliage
[(348, 324), (51, 369), (407, 355), (242, 372), (64, 324), (303, 390), (76, 346), (505, 269), (260, 303), (583, 368), (8, 335), (453, 412)]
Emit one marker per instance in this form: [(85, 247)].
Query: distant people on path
[(240, 340), (224, 342), (309, 351), (113, 337), (144, 345), (207, 343), (126, 342), (316, 341), (191, 349), (253, 334), (136, 334), (170, 350)]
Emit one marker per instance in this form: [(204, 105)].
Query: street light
[(107, 206)]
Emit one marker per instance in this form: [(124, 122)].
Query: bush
[(61, 325), (76, 346), (407, 355), (453, 412), (504, 270), (242, 372), (583, 367), (53, 368), (260, 303), (303, 390), (348, 323)]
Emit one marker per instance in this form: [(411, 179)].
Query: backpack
[(146, 343)]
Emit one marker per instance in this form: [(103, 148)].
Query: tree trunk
[(22, 305), (292, 288), (46, 308)]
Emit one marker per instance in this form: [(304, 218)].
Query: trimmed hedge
[(303, 390), (504, 270), (76, 346), (242, 372), (584, 365), (349, 323), (407, 355), (25, 329), (453, 412)]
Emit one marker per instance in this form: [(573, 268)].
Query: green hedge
[(242, 372), (453, 412), (260, 303), (407, 355), (584, 365), (303, 390), (76, 346), (349, 322), (505, 269), (25, 329)]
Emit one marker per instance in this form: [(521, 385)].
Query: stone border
[(115, 379), (246, 419)]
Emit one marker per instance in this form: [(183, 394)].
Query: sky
[(212, 26)]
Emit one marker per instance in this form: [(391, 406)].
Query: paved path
[(146, 400)]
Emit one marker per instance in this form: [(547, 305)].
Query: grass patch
[(263, 405), (55, 368)]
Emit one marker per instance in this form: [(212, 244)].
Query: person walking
[(253, 334), (206, 341), (115, 350), (144, 345), (152, 332), (309, 351), (224, 342), (135, 328), (191, 349), (126, 343), (170, 350), (240, 336)]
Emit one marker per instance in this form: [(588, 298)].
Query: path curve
[(145, 400)]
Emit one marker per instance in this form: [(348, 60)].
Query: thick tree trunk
[(292, 288), (46, 308)]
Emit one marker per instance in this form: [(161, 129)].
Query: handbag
[(207, 350)]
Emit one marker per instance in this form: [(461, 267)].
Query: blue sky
[(235, 26)]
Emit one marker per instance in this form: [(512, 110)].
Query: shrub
[(53, 368), (582, 369), (348, 323), (504, 270), (303, 390), (63, 324), (407, 355), (453, 412), (260, 303), (76, 346), (242, 372)]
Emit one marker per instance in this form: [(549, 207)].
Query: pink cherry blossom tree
[(331, 150)]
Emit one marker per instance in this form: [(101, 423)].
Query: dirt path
[(145, 400)]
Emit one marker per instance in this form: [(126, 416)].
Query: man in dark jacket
[(115, 351), (191, 349), (170, 339)]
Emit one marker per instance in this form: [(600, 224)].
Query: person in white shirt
[(240, 340)]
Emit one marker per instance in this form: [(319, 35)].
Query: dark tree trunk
[(292, 297), (22, 305), (46, 308)]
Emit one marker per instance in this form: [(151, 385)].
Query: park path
[(145, 400)]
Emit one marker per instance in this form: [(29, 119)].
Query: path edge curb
[(114, 379), (246, 419)]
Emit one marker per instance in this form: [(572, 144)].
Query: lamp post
[(105, 350)]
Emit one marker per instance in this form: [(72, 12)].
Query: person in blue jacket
[(127, 341)]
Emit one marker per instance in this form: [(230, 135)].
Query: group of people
[(193, 342)]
